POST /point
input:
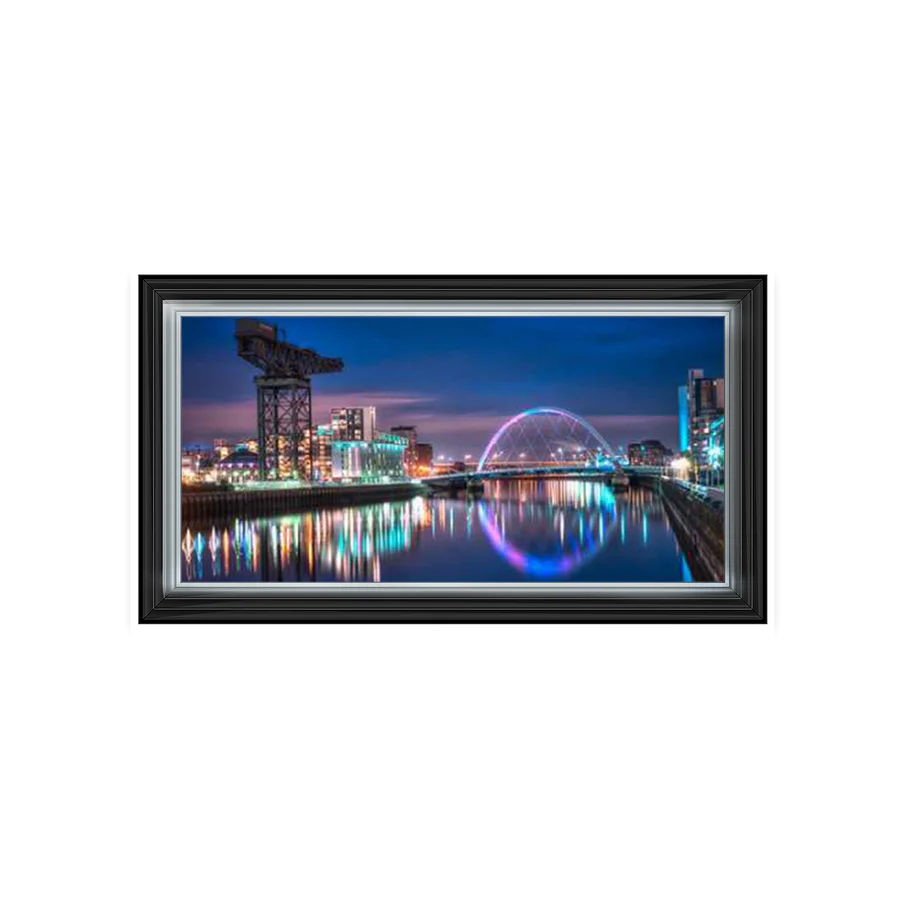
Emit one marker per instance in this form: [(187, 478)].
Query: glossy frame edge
[(742, 299)]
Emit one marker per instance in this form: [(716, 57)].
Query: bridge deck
[(511, 473)]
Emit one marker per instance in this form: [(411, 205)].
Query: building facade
[(649, 453), (321, 453), (377, 460), (715, 453), (705, 405), (223, 447), (424, 458), (198, 464), (684, 420), (238, 467), (411, 457), (353, 423), (190, 466)]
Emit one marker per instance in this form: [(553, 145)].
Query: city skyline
[(458, 379)]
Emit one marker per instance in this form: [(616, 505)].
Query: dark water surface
[(528, 530)]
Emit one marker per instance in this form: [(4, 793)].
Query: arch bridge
[(545, 440)]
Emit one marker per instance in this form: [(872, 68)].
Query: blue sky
[(458, 379)]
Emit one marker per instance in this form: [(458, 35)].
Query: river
[(522, 530)]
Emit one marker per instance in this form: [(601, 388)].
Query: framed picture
[(452, 449)]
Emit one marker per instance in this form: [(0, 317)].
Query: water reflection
[(539, 529), (556, 526)]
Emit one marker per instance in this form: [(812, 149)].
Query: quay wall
[(198, 505), (698, 525)]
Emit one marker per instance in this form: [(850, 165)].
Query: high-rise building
[(705, 404), (710, 394), (684, 420), (411, 457), (694, 376), (353, 423)]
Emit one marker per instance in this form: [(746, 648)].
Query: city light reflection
[(539, 528)]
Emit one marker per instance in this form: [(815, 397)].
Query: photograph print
[(428, 449)]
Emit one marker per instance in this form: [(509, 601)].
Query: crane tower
[(283, 397)]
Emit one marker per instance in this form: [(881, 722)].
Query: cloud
[(622, 430), (459, 433), (454, 433), (383, 401), (599, 422), (231, 419), (201, 421)]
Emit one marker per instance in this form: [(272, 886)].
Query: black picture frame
[(744, 598)]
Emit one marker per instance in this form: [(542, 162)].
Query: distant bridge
[(462, 479), (542, 441)]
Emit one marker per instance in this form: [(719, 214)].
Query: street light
[(715, 455)]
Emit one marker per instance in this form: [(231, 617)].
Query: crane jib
[(284, 397)]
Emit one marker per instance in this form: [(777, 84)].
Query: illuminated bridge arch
[(545, 436), (538, 565)]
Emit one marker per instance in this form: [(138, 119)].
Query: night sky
[(458, 379)]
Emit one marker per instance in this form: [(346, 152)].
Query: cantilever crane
[(283, 397)]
